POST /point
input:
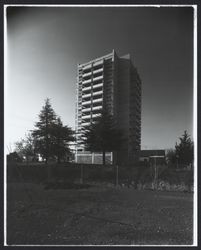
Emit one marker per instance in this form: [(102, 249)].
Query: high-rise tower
[(112, 83)]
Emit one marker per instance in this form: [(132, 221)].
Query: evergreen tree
[(102, 136), (62, 135), (184, 150), (171, 157), (43, 133)]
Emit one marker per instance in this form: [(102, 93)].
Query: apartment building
[(110, 82)]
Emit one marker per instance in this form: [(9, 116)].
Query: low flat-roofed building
[(149, 155)]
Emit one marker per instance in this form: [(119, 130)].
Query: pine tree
[(43, 133), (102, 136), (62, 135), (184, 150)]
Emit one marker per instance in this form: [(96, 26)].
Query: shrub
[(146, 176), (169, 175), (189, 178)]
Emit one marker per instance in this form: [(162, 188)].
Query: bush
[(169, 175), (189, 178), (146, 176)]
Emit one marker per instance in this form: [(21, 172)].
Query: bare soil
[(97, 215)]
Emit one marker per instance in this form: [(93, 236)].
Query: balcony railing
[(96, 115), (87, 102), (86, 88), (97, 71), (98, 93), (85, 123), (86, 74), (87, 67), (86, 81), (86, 95), (97, 78), (97, 100), (98, 63), (86, 117), (97, 85), (97, 108), (86, 109)]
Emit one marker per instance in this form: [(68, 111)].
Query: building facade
[(113, 83)]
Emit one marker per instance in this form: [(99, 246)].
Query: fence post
[(155, 175), (81, 177), (117, 175)]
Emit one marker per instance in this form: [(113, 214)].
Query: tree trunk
[(103, 157)]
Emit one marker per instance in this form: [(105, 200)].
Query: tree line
[(51, 139)]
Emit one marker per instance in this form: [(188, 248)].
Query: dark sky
[(45, 44)]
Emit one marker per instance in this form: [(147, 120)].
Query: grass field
[(97, 216)]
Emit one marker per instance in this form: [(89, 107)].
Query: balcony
[(86, 95), (80, 142), (98, 63), (86, 74), (97, 100), (86, 109), (78, 131), (97, 97), (85, 123), (87, 102), (96, 115), (97, 85), (86, 81), (87, 67), (97, 93), (98, 78), (86, 112), (98, 71), (78, 136), (86, 117), (86, 88), (97, 108)]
